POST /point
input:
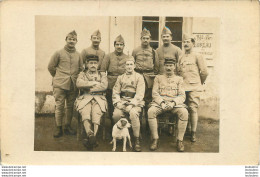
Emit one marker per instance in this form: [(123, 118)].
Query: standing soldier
[(168, 95), (114, 64), (94, 48), (194, 72), (147, 64), (92, 103), (64, 67), (167, 50), (128, 94)]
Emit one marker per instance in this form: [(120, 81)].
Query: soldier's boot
[(68, 130), (58, 132), (180, 146), (154, 145), (193, 136), (137, 146)]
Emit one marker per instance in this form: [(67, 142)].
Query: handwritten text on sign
[(204, 44)]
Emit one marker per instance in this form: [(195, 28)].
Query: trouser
[(92, 114), (110, 103), (61, 96), (192, 101), (133, 116), (181, 113)]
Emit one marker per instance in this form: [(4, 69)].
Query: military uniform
[(129, 88), (92, 103), (64, 67), (93, 51), (114, 65), (171, 51), (169, 90), (147, 64), (194, 72)]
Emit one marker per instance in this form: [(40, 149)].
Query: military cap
[(166, 30), (130, 58), (145, 32), (169, 61), (72, 34), (119, 39), (92, 58), (186, 36), (96, 33)]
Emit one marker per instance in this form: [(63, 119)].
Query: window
[(155, 25)]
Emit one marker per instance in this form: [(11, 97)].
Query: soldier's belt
[(143, 71), (127, 94), (112, 74), (96, 93)]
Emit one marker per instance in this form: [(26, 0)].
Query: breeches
[(61, 96), (91, 112)]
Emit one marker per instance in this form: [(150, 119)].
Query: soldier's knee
[(183, 114), (133, 113), (152, 113), (193, 109)]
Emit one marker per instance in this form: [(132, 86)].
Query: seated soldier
[(168, 95), (128, 94), (91, 104)]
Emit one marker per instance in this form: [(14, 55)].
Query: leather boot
[(193, 136), (69, 131), (180, 146), (137, 146), (154, 145), (58, 132)]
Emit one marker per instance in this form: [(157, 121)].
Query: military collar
[(94, 47), (118, 54)]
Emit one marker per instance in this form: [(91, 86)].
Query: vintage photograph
[(127, 84)]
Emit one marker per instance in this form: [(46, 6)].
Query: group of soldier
[(154, 81)]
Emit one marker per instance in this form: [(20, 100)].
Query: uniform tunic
[(171, 51), (91, 51), (194, 72), (134, 84), (168, 89), (64, 67), (92, 102)]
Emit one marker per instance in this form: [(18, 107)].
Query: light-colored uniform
[(193, 69), (92, 103), (168, 89), (129, 87)]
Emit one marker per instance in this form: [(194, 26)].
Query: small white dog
[(120, 131)]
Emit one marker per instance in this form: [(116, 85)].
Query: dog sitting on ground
[(120, 131)]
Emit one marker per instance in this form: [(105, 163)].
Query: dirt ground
[(207, 138)]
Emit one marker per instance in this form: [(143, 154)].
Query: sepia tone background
[(237, 70)]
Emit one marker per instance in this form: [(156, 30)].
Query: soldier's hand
[(133, 102), (128, 108), (172, 104), (119, 105), (166, 106)]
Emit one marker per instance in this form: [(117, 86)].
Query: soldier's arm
[(178, 56), (105, 63), (156, 63), (181, 93), (102, 86), (83, 55), (81, 83), (155, 93), (53, 63), (134, 54), (140, 89), (116, 91), (101, 60), (202, 68), (81, 65)]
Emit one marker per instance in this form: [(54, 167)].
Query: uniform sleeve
[(178, 56), (101, 60), (102, 86), (181, 93), (54, 63), (155, 93), (156, 63), (178, 64), (82, 83), (134, 54), (81, 65), (117, 90), (160, 67), (140, 89), (83, 55), (202, 68), (105, 64)]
